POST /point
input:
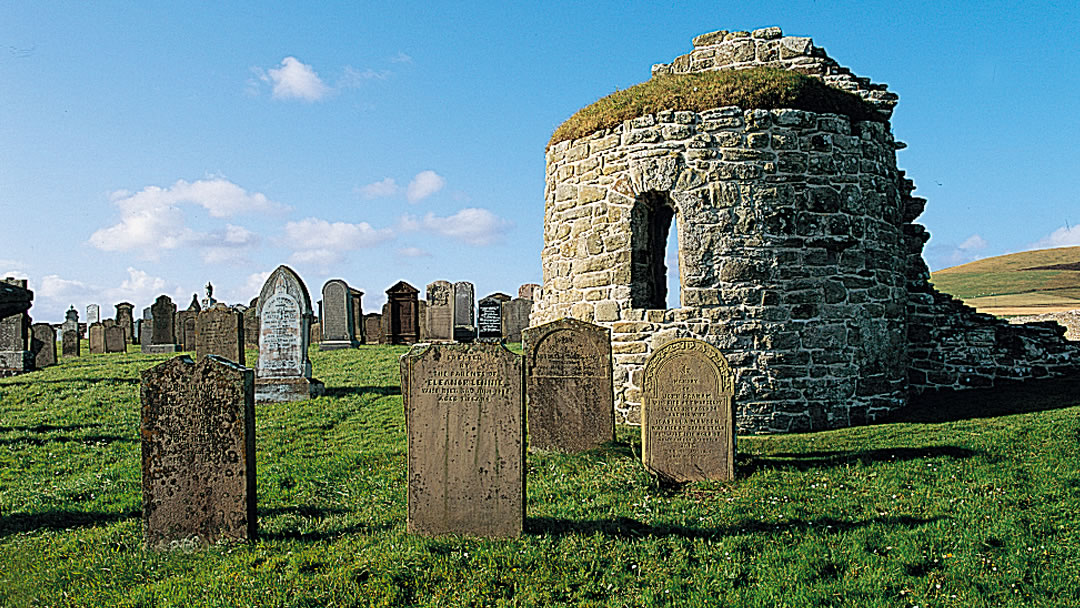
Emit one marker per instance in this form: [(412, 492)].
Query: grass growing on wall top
[(755, 88), (967, 501)]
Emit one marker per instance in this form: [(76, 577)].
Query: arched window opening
[(651, 221)]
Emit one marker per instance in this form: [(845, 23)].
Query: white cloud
[(353, 77), (379, 189), (57, 288), (973, 243), (948, 255), (401, 58), (152, 220), (138, 287), (317, 241), (413, 252), (295, 80), (1066, 236), (474, 226), (424, 185)]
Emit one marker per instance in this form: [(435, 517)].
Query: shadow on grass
[(804, 461), (40, 441), (381, 391), (625, 527), (310, 514), (1003, 399), (30, 380), (17, 523), (49, 428)]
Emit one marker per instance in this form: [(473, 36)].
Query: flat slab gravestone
[(688, 413), (115, 339), (43, 345), (198, 453), (97, 338), (70, 345), (489, 320), (440, 312), (283, 371), (464, 417), (220, 331), (568, 386)]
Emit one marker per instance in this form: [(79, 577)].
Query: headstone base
[(284, 390), (14, 362), (336, 345), (158, 349), (464, 334)]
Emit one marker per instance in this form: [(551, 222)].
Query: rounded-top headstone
[(284, 312)]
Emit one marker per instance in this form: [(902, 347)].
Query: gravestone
[(96, 333), (529, 291), (136, 337), (115, 341), (198, 453), (251, 324), (464, 312), (404, 325), (384, 325), (373, 328), (489, 320), (93, 314), (186, 324), (421, 317), (500, 296), (125, 319), (70, 344), (283, 371), (43, 345), (316, 333), (110, 323), (71, 321), (15, 298), (688, 413), (515, 318), (162, 327), (440, 312), (465, 425), (337, 325), (15, 355), (568, 386), (220, 332), (357, 316), (147, 330)]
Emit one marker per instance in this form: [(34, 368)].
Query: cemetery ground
[(971, 500)]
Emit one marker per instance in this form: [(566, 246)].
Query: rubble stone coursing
[(799, 257)]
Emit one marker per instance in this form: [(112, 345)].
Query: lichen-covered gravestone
[(96, 334), (163, 327), (283, 371), (220, 331), (115, 339), (70, 344), (43, 344), (464, 417), (198, 453), (688, 413), (440, 311), (568, 386)]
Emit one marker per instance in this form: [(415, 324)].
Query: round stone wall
[(789, 231)]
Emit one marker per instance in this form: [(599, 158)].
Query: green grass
[(756, 88), (964, 501)]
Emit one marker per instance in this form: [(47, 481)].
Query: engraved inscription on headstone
[(93, 314), (440, 311), (489, 320), (115, 339), (465, 424), (43, 344), (283, 371), (198, 453), (220, 332), (71, 347), (688, 413), (568, 386), (97, 338)]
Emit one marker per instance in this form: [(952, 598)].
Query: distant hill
[(1026, 283)]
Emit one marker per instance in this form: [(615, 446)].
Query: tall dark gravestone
[(440, 311), (283, 371), (15, 355), (115, 339), (96, 333), (43, 345), (357, 316), (373, 328), (162, 327), (126, 320), (489, 320), (688, 413), (465, 425), (404, 309), (198, 453), (568, 386), (220, 332), (70, 344), (337, 326), (464, 312)]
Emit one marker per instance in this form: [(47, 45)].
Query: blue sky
[(150, 147)]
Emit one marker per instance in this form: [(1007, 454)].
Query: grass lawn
[(969, 500)]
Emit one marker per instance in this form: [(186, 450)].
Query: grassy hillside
[(965, 501), (1030, 282)]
